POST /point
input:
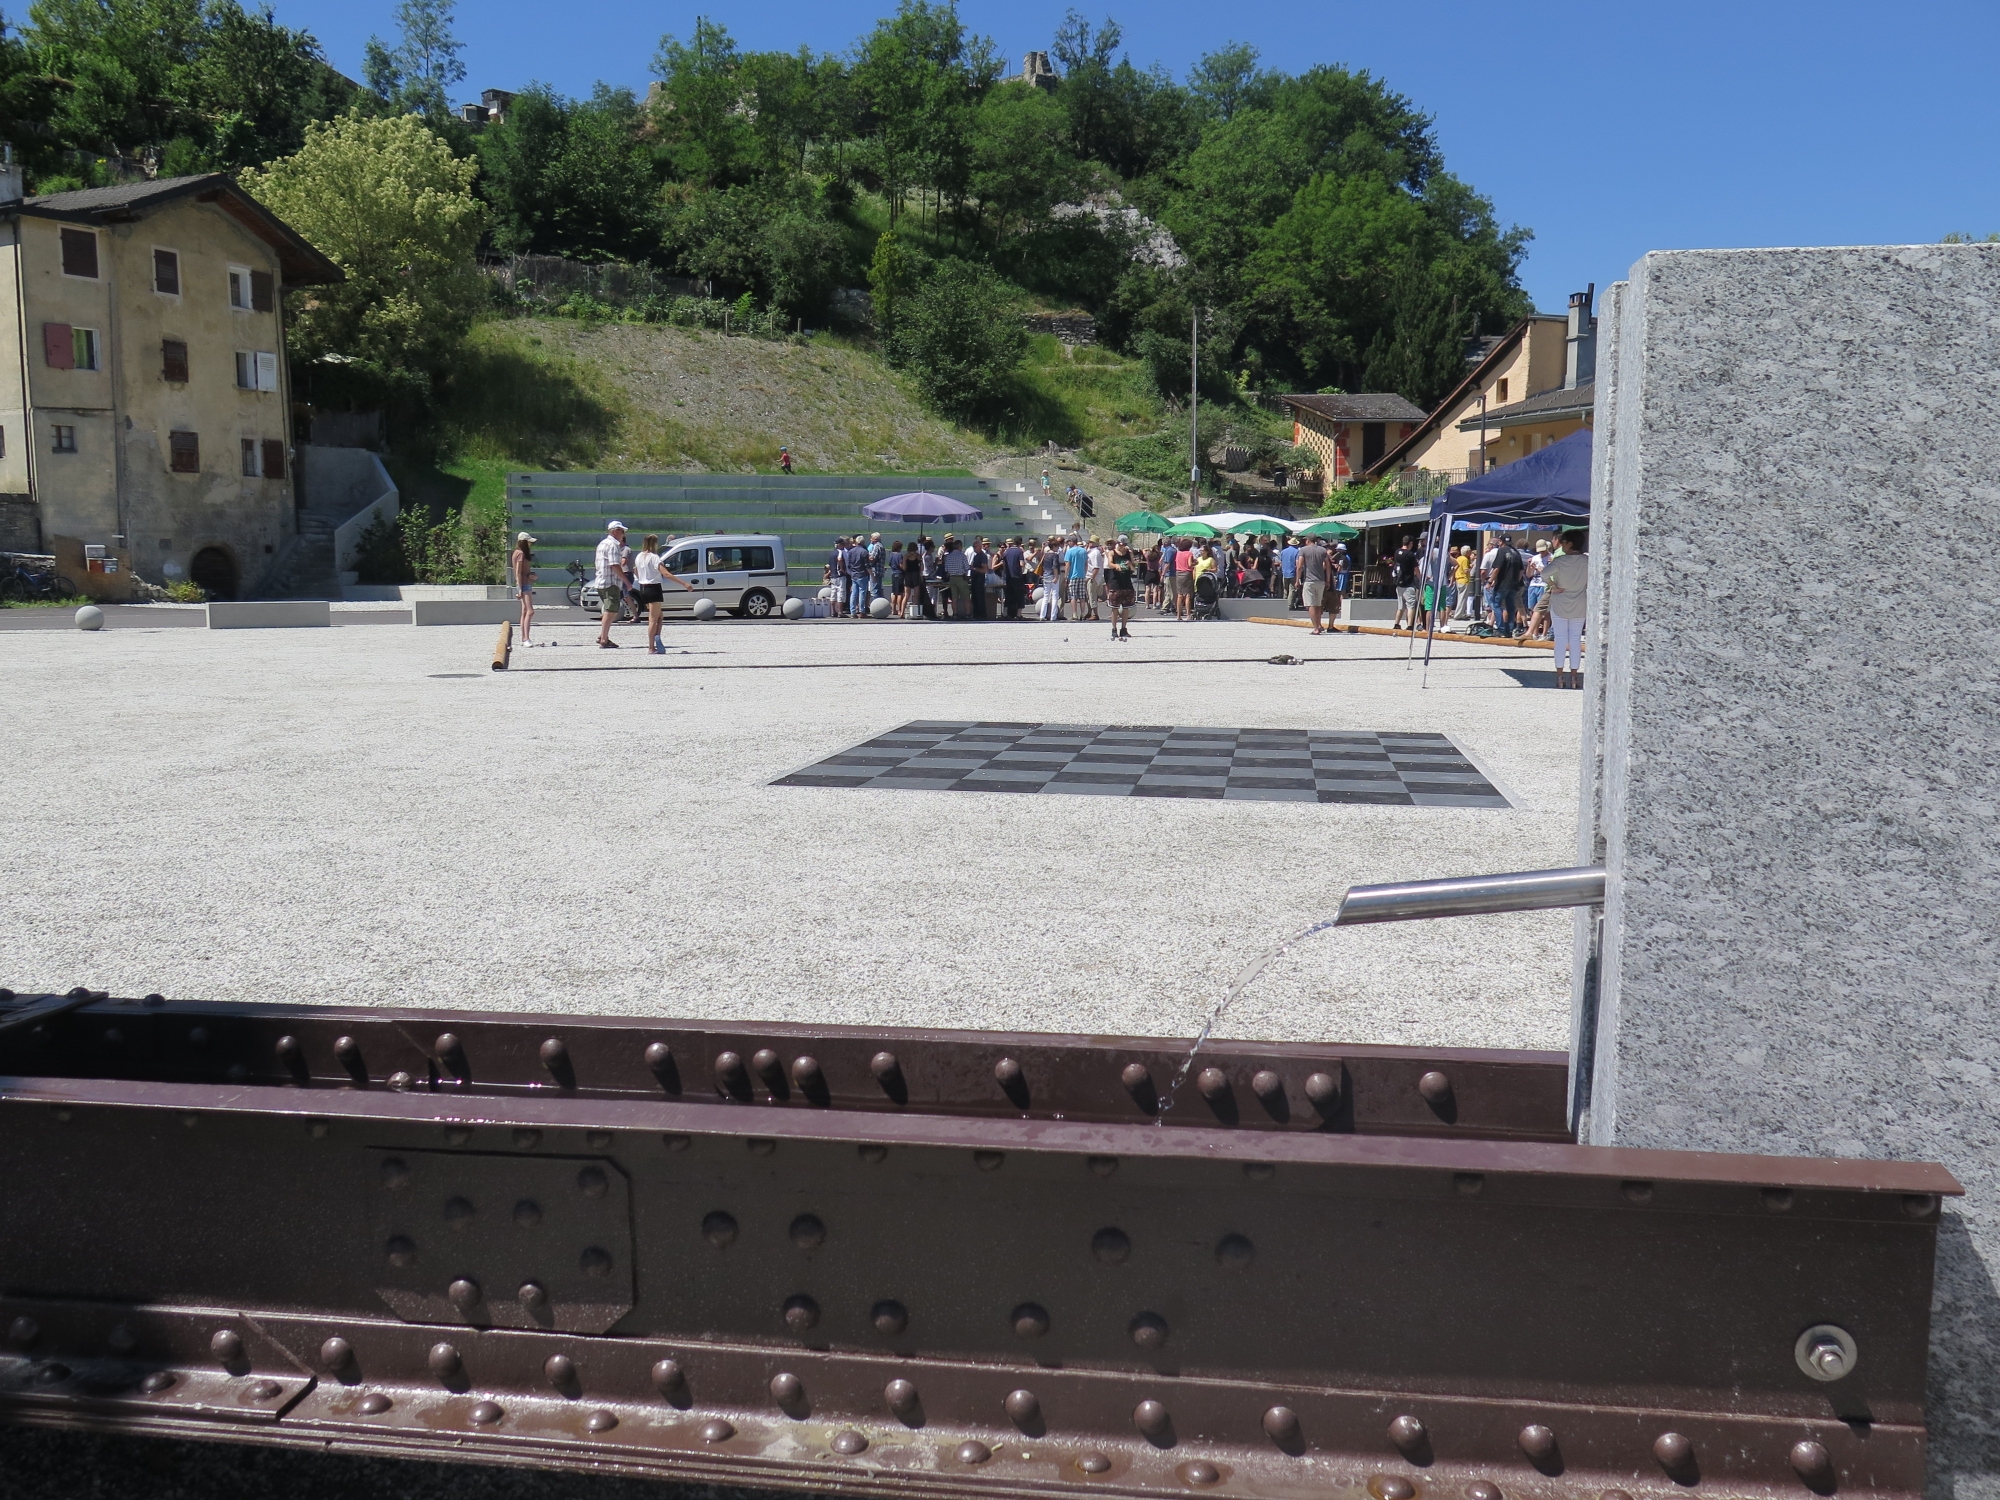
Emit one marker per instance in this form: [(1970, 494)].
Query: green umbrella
[(1143, 520), (1194, 528), (1328, 527), (1260, 528)]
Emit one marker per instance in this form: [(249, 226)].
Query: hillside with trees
[(901, 203)]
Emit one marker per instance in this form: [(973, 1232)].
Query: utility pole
[(1194, 412)]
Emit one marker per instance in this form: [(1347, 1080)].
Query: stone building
[(144, 402), (1350, 433)]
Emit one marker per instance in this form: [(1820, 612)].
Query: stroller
[(1207, 598)]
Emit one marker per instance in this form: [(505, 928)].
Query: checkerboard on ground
[(1145, 760)]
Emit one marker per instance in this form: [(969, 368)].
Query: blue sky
[(1609, 130)]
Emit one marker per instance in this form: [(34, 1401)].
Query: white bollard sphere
[(879, 608), (1040, 594), (795, 609), (704, 609), (826, 595), (90, 617)]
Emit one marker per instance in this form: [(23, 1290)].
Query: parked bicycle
[(33, 579), (582, 593)]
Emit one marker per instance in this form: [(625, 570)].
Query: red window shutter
[(274, 459), (58, 347), (262, 284), (173, 360), (184, 452)]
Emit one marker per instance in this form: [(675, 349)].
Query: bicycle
[(33, 579), (584, 596)]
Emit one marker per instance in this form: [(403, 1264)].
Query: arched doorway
[(215, 570)]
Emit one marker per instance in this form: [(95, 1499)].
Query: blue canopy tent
[(1547, 488)]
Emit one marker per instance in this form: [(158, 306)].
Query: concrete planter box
[(410, 593), (1368, 612), (463, 611), (268, 614)]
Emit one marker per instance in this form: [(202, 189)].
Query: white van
[(743, 574)]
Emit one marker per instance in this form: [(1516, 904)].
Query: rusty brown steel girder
[(935, 1297)]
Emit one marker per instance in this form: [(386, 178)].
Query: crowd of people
[(1523, 593)]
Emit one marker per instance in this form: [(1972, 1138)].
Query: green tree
[(415, 75), (890, 274), (386, 201), (1021, 164), (699, 115), (572, 177), (1224, 82), (960, 335)]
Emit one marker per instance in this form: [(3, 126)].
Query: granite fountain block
[(1795, 787)]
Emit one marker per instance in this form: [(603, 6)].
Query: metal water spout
[(1472, 895)]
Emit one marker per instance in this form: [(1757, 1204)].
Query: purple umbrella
[(922, 505)]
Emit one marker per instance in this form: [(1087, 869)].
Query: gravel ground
[(372, 816)]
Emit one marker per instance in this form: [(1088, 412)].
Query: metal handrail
[(1471, 895)]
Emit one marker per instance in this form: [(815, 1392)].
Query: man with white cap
[(613, 569)]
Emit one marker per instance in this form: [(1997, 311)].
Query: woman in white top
[(648, 576), (1568, 580)]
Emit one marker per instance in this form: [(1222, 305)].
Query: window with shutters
[(58, 348), (63, 439), (79, 253), (274, 459), (167, 273), (239, 287), (249, 458), (174, 361), (263, 291), (84, 345), (256, 370), (184, 452)]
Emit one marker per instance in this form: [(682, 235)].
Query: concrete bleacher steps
[(567, 512)]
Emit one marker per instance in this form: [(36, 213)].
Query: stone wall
[(1799, 805)]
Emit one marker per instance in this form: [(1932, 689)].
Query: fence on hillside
[(551, 280)]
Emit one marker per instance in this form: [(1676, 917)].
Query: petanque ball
[(90, 617), (879, 608), (704, 609), (795, 609)]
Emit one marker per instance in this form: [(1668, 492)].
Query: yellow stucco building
[(1528, 388), (144, 401)]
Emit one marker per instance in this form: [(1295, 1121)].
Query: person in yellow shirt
[(1205, 562), (1461, 580)]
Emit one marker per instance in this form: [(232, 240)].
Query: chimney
[(1580, 363), (10, 174)]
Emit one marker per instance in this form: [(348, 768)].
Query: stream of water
[(1244, 980)]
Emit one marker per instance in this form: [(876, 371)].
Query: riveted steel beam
[(952, 1303), (1252, 1086)]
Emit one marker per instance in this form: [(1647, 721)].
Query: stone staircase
[(304, 570)]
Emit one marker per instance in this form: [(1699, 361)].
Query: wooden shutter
[(58, 346), (274, 459), (167, 272), (173, 360), (267, 371), (184, 450), (79, 253), (262, 284)]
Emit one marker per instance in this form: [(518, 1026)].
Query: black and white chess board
[(1150, 760)]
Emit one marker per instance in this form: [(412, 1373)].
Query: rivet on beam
[(1391, 1487), (1103, 1166), (156, 1382), (717, 1431), (1323, 1089), (1813, 1464), (1410, 1439), (788, 1391), (1111, 1246), (1636, 1192), (292, 1057), (901, 1396), (555, 1057), (988, 1161), (1138, 1081), (486, 1413), (592, 1182), (336, 1354), (807, 1077), (1281, 1426), (719, 1229), (458, 1211), (1148, 1330), (808, 1232), (730, 1074), (347, 1052), (1200, 1472), (1213, 1084), (1435, 1087), (1030, 1321), (1539, 1444), (764, 1063), (444, 1361), (457, 1135), (801, 1313), (527, 1140), (873, 1153), (1674, 1453), (1777, 1199), (531, 1295), (670, 1379), (560, 1370), (760, 1145), (266, 1390), (1234, 1251), (23, 1332), (463, 1294), (597, 1140), (1152, 1419), (1267, 1086), (123, 1338), (889, 1317), (849, 1442), (660, 1063), (677, 1142), (595, 1261), (1481, 1489), (889, 1074), (1092, 1462), (1024, 1410), (600, 1421), (527, 1213), (449, 1050), (374, 1404), (1469, 1184), (974, 1452), (401, 1250), (226, 1345)]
